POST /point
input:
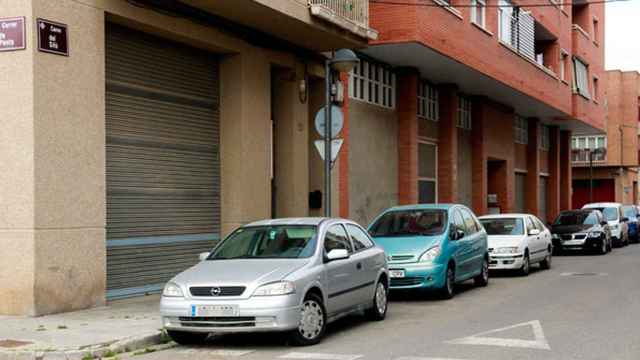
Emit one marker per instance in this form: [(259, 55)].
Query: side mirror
[(203, 256), (624, 219), (337, 254), (534, 232), (457, 234)]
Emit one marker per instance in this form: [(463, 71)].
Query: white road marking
[(582, 274), (540, 341), (423, 358), (219, 352), (318, 356)]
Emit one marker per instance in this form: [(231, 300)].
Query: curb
[(96, 351)]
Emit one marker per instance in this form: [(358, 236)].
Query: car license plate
[(214, 310), (396, 273)]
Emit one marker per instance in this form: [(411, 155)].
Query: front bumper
[(265, 313), (418, 276), (505, 261), (582, 244)]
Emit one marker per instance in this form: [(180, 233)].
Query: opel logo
[(215, 291)]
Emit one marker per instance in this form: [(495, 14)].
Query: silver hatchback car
[(292, 275)]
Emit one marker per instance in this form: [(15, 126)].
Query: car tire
[(447, 291), (526, 265), (604, 248), (187, 338), (313, 322), (483, 278), (378, 310), (546, 263)]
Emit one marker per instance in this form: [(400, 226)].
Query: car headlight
[(595, 234), (506, 250), (172, 290), (430, 255), (276, 288), (555, 236)]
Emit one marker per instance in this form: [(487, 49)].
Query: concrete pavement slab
[(124, 325)]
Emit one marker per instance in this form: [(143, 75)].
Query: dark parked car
[(631, 212), (584, 229)]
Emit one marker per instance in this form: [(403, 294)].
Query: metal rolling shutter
[(162, 127)]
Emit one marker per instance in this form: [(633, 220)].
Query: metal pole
[(590, 176), (327, 140)]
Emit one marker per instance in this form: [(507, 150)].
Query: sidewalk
[(121, 326)]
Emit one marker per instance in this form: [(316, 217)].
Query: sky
[(622, 35)]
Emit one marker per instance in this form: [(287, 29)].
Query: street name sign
[(12, 34), (53, 37)]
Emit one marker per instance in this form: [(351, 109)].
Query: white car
[(516, 241), (613, 214)]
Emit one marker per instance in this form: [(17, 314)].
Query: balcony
[(352, 15), (582, 45), (588, 111)]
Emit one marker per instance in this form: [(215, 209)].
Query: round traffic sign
[(337, 121)]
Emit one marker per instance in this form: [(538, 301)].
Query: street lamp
[(344, 60)]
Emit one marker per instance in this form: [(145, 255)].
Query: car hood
[(243, 272), (496, 241), (407, 245), (570, 229)]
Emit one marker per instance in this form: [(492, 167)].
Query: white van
[(617, 222)]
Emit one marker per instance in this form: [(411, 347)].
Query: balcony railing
[(352, 15)]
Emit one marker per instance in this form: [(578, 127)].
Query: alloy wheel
[(381, 298)]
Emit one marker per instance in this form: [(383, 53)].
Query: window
[(469, 222), (544, 137), (580, 78), (521, 128), (596, 31), (563, 65), (427, 173), (505, 20), (336, 238), (464, 113), (595, 88), (581, 145), (359, 238), (410, 223), (478, 9), (373, 83), (428, 102)]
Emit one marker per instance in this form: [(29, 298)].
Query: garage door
[(520, 185), (162, 121)]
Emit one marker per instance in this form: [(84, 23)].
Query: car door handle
[(359, 266)]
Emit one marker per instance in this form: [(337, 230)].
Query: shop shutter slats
[(163, 166)]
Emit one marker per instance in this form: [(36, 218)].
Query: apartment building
[(611, 172), (485, 97), (136, 133)]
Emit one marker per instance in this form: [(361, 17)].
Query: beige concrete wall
[(17, 164), (465, 184), (373, 160)]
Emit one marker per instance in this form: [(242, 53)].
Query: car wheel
[(447, 291), (187, 338), (483, 278), (526, 265), (378, 310), (604, 249), (313, 322), (546, 263)]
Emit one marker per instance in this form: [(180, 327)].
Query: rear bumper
[(277, 313), (418, 276)]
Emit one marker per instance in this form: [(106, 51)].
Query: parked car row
[(297, 275)]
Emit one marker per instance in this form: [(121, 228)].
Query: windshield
[(577, 218), (629, 212), (410, 222), (268, 242), (503, 226), (610, 213)]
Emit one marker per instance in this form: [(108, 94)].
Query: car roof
[(602, 204), (508, 215), (312, 221), (443, 206)]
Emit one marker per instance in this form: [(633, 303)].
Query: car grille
[(218, 322), (490, 250), (579, 236), (566, 237), (224, 290), (407, 281), (400, 257)]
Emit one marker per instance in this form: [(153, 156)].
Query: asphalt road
[(585, 307)]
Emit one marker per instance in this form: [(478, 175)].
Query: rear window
[(610, 213), (503, 226), (410, 222)]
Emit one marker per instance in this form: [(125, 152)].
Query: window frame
[(521, 129), (482, 6), (434, 180), (564, 57), (324, 240), (581, 83), (366, 235), (464, 114), (545, 137), (373, 83), (582, 142), (428, 101)]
